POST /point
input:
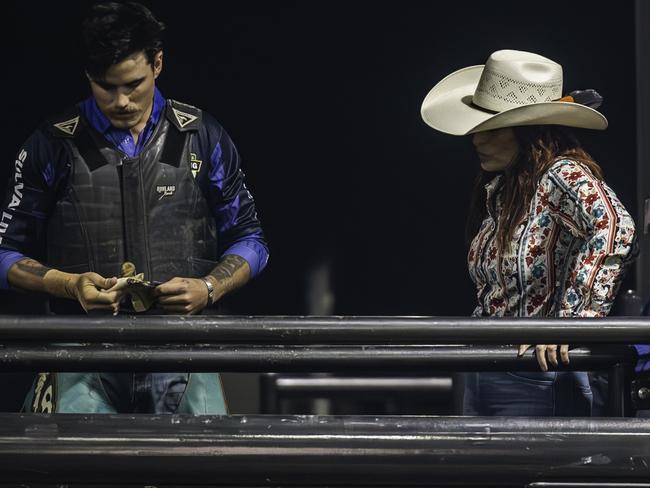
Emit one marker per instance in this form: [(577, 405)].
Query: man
[(128, 176)]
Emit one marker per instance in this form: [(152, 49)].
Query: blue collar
[(120, 137)]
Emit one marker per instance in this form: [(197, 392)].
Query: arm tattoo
[(226, 269), (32, 267)]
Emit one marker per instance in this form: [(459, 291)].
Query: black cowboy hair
[(114, 31)]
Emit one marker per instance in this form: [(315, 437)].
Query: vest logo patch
[(195, 164), (183, 118), (68, 126), (165, 190)]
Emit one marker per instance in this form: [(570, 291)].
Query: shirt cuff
[(255, 254), (7, 260)]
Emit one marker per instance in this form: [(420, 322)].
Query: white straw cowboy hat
[(512, 88)]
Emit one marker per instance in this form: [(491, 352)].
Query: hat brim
[(448, 108)]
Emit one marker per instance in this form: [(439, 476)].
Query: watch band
[(210, 286)]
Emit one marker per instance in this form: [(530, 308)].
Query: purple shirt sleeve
[(30, 196), (253, 251), (233, 207), (7, 259)]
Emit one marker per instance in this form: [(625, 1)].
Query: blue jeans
[(536, 394), (144, 392), (159, 393)]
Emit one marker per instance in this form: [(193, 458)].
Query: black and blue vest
[(146, 209)]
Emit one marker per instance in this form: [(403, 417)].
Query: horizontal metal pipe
[(321, 451), (278, 358), (547, 484), (305, 386), (322, 330)]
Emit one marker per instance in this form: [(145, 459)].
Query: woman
[(548, 236)]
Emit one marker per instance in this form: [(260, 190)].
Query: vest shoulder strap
[(184, 117), (66, 124), (71, 124)]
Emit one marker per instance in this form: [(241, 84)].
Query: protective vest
[(147, 209)]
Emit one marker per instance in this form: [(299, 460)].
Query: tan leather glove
[(138, 290)]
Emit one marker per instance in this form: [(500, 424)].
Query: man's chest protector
[(147, 209)]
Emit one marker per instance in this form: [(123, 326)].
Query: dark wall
[(322, 99)]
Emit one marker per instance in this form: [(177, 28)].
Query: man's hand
[(90, 289), (544, 350), (92, 292), (185, 296), (190, 295)]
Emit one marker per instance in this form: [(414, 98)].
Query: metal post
[(643, 145), (616, 390), (269, 402)]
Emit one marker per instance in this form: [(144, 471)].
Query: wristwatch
[(210, 286)]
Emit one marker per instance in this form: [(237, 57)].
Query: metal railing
[(277, 358), (323, 330), (320, 451)]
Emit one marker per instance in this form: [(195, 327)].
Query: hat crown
[(511, 79)]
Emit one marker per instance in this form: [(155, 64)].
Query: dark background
[(322, 99)]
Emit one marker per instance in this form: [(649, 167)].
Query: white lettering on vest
[(17, 195)]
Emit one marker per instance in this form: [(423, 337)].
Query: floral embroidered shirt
[(567, 259)]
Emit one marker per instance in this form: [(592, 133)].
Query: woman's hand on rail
[(542, 351)]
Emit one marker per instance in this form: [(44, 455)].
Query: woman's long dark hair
[(539, 147)]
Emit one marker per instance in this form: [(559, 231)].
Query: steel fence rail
[(321, 451), (343, 385), (279, 358), (322, 330)]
